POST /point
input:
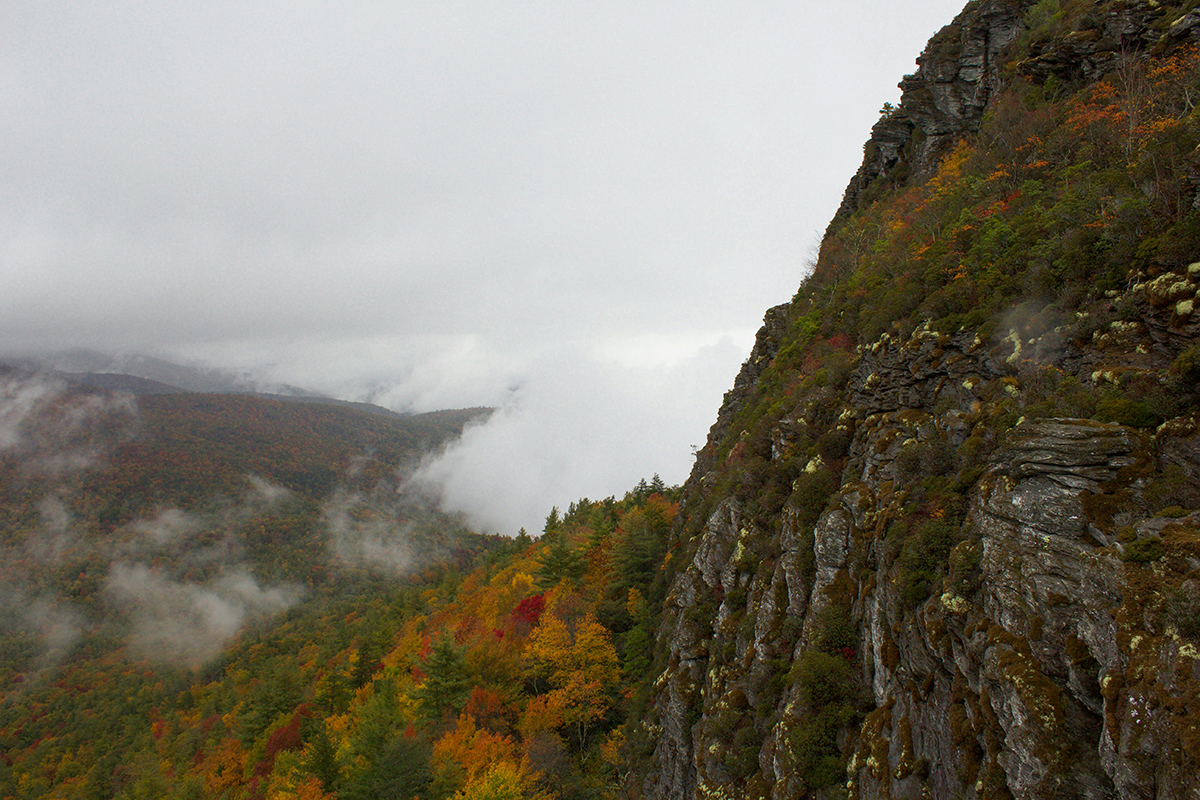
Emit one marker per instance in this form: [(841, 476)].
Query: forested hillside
[(142, 536), (227, 596)]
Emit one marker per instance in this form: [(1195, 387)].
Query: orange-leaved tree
[(471, 750)]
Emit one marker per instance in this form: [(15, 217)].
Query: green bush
[(916, 587), (810, 494), (908, 464), (1127, 411), (823, 678), (833, 445), (964, 573), (835, 630), (1174, 512), (923, 558), (1186, 366), (828, 684), (815, 747), (1143, 551), (935, 457), (742, 755), (1171, 488)]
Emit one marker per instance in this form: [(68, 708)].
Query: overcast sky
[(575, 211)]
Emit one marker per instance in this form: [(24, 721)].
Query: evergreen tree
[(639, 641), (552, 522), (559, 561), (322, 760), (400, 772), (388, 763), (446, 686), (278, 692), (376, 641), (639, 547)]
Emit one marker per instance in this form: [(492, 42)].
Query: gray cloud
[(49, 429), (189, 623), (168, 527), (59, 624), (263, 492), (174, 531), (54, 623), (428, 203), (238, 172), (54, 536), (365, 532), (21, 397), (583, 426)]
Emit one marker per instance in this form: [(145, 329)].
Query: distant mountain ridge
[(189, 378), (141, 374), (120, 382), (140, 537)]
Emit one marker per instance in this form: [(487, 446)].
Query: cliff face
[(958, 72), (951, 561)]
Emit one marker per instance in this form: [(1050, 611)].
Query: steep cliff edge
[(958, 72), (944, 538)]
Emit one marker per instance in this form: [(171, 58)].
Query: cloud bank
[(188, 623), (583, 426), (55, 625), (429, 205), (370, 533), (53, 430)]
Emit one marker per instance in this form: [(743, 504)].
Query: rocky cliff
[(959, 558)]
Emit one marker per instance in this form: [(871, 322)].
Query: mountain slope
[(141, 537), (943, 539)]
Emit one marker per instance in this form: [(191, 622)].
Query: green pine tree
[(558, 562), (444, 691)]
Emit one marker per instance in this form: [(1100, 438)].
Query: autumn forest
[(229, 596)]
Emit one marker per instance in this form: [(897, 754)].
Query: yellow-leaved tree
[(581, 667), (504, 781)]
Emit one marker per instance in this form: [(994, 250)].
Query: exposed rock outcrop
[(1037, 666), (1108, 33), (1032, 664), (956, 75), (951, 564), (960, 70)]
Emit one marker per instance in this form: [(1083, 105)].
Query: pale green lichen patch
[(955, 604), (711, 791), (1015, 338)]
